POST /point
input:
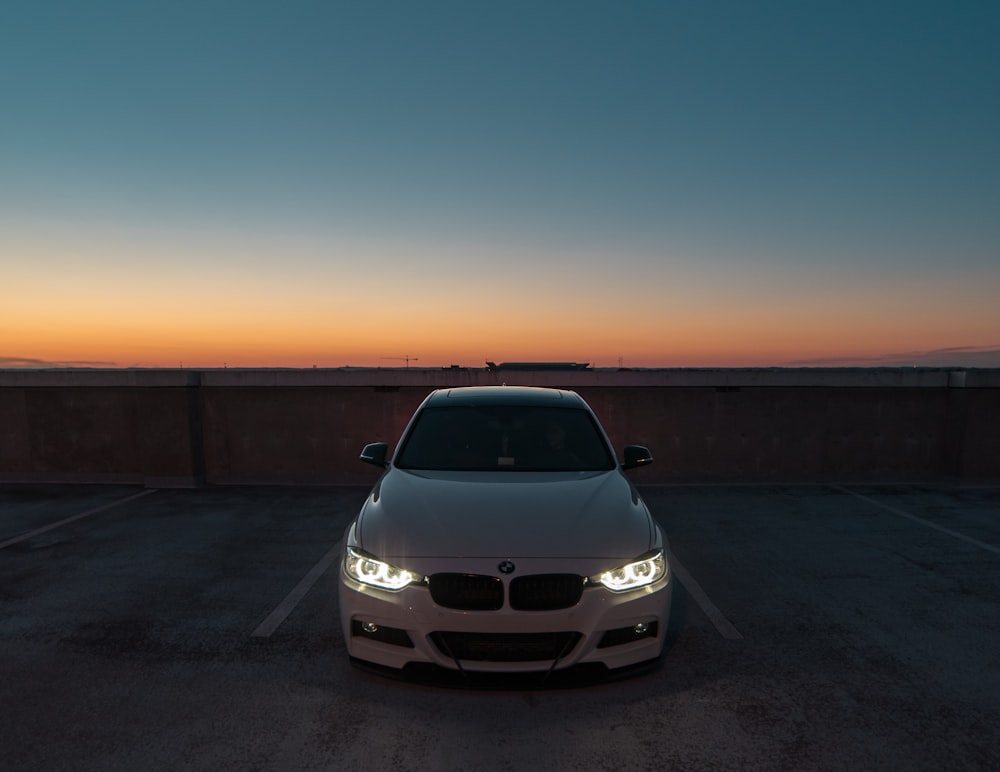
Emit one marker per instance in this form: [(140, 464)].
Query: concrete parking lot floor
[(815, 627)]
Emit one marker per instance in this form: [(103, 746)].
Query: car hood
[(505, 514)]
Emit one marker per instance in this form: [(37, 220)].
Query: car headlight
[(368, 569), (646, 570)]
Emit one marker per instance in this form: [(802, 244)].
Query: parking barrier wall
[(164, 428)]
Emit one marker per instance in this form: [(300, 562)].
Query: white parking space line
[(88, 513), (276, 617), (716, 617), (922, 521)]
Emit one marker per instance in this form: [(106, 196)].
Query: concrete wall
[(182, 427)]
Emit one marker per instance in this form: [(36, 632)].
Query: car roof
[(505, 395)]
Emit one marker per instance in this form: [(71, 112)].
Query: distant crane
[(407, 359)]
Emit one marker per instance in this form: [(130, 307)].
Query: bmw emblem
[(507, 567)]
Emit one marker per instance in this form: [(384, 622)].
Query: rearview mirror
[(636, 455), (375, 453)]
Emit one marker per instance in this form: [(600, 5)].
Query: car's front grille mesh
[(476, 592), (469, 592), (505, 647), (545, 592)]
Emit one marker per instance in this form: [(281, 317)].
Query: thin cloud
[(956, 356), (26, 363)]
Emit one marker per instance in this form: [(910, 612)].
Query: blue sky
[(756, 183)]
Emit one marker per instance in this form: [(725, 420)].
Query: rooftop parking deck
[(819, 626)]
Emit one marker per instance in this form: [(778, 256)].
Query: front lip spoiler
[(580, 676)]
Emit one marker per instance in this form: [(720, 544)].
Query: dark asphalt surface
[(868, 622)]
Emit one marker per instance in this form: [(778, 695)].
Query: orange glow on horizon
[(331, 347), (350, 316)]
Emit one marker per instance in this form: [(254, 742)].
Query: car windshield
[(505, 438)]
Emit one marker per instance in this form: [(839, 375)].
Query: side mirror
[(636, 455), (375, 453)]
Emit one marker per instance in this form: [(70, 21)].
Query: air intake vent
[(505, 647)]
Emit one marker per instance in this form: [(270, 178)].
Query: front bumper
[(397, 628)]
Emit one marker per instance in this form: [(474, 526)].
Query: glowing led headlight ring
[(647, 570), (368, 569)]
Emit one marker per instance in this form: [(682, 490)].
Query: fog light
[(622, 635), (381, 633)]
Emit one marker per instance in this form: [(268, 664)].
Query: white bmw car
[(503, 536)]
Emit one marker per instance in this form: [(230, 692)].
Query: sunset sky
[(665, 184)]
